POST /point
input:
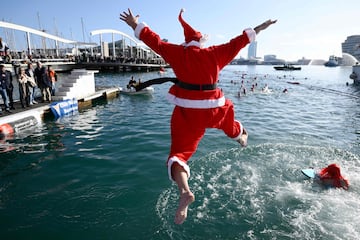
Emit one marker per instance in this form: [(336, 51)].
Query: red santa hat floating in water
[(192, 37)]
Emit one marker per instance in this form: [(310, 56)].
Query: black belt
[(197, 87), (187, 86)]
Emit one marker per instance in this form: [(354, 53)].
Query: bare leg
[(186, 196)]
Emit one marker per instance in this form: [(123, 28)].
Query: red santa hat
[(189, 33), (331, 171)]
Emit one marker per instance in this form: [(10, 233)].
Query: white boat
[(131, 91)]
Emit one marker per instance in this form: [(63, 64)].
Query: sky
[(310, 29)]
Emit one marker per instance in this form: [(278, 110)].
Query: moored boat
[(287, 67), (333, 62), (131, 91)]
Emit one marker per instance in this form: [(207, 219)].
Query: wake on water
[(259, 192)]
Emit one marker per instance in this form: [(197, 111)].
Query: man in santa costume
[(199, 103)]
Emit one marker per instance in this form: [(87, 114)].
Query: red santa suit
[(331, 177), (199, 104)]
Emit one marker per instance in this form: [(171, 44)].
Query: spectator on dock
[(3, 92), (4, 54), (24, 91), (43, 81), (31, 82), (9, 86), (53, 79)]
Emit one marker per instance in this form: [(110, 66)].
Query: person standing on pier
[(31, 82), (199, 103), (24, 91), (9, 86), (53, 79), (4, 54), (3, 80), (43, 82)]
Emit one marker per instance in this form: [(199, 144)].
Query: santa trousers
[(188, 126)]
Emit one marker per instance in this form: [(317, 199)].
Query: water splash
[(260, 193)]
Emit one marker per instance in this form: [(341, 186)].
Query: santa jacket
[(195, 65)]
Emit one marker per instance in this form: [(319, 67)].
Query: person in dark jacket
[(4, 76), (43, 81)]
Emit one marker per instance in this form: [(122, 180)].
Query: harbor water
[(101, 174)]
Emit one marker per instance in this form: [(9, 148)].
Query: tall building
[(352, 46), (252, 50)]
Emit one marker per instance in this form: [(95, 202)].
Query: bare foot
[(243, 138), (186, 199)]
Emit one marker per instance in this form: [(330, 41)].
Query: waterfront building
[(252, 50), (352, 46), (271, 59)]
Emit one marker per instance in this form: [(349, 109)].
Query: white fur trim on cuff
[(138, 29), (251, 34), (174, 159), (241, 131)]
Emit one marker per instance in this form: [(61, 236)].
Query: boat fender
[(353, 76), (5, 129), (17, 126), (23, 124)]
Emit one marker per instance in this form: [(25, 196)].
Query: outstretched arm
[(264, 25), (129, 18)]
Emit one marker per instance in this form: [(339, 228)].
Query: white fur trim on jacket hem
[(199, 104), (251, 34), (241, 131), (191, 43), (174, 159), (138, 29)]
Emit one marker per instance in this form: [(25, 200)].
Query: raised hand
[(129, 18), (264, 25)]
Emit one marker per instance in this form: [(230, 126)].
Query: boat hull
[(145, 91), (287, 68)]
